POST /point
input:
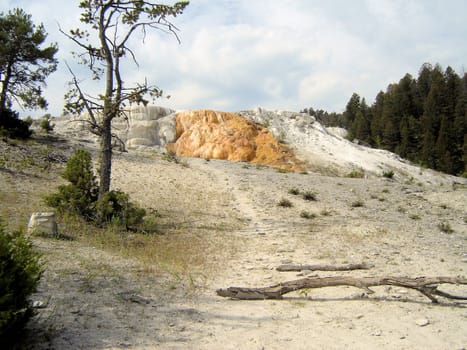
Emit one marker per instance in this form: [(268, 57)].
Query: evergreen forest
[(422, 119)]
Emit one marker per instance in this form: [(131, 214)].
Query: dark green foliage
[(309, 196), (423, 120), (389, 174), (285, 203), (20, 271), (24, 65), (12, 126), (80, 196), (115, 206), (46, 125)]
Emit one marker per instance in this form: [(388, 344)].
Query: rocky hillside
[(281, 139)]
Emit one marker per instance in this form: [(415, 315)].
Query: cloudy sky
[(276, 54)]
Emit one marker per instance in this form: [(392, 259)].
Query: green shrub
[(445, 227), (285, 203), (12, 126), (80, 195), (295, 191), (389, 174), (46, 125), (20, 272), (356, 174), (307, 215), (309, 196), (115, 207), (357, 204)]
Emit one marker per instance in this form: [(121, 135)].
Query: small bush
[(294, 191), (12, 126), (445, 227), (46, 125), (81, 197), (389, 174), (356, 174), (309, 196), (115, 207), (307, 215), (20, 272), (285, 203), (357, 204), (78, 197)]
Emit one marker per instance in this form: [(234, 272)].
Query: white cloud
[(285, 54)]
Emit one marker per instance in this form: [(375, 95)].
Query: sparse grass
[(445, 227), (356, 173), (326, 212), (285, 203), (401, 209), (388, 174), (309, 196), (385, 190), (357, 203), (172, 157), (283, 171), (294, 191), (307, 215), (415, 217)]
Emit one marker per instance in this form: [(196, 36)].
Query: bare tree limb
[(289, 267), (428, 286)]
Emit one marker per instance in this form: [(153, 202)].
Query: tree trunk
[(105, 156), (425, 285), (4, 91)]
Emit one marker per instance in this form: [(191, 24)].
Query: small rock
[(286, 261), (422, 322), (37, 304)]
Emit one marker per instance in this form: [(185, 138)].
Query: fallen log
[(428, 286), (350, 267)]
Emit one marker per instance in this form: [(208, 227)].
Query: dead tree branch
[(428, 286), (350, 267)]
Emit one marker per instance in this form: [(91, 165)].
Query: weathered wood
[(428, 286), (289, 267)]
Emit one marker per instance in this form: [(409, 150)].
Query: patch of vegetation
[(46, 124), (295, 191), (80, 197), (357, 203), (356, 174), (20, 271), (385, 190), (172, 157), (326, 212), (12, 126), (445, 227), (285, 203), (388, 174), (309, 196), (415, 217), (307, 215), (283, 171)]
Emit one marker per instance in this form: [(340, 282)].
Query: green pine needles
[(20, 271), (80, 197)]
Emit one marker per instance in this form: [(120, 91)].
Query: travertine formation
[(150, 126), (222, 135)]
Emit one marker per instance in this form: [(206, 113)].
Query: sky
[(275, 54)]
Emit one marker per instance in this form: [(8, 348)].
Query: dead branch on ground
[(350, 267), (428, 286)]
